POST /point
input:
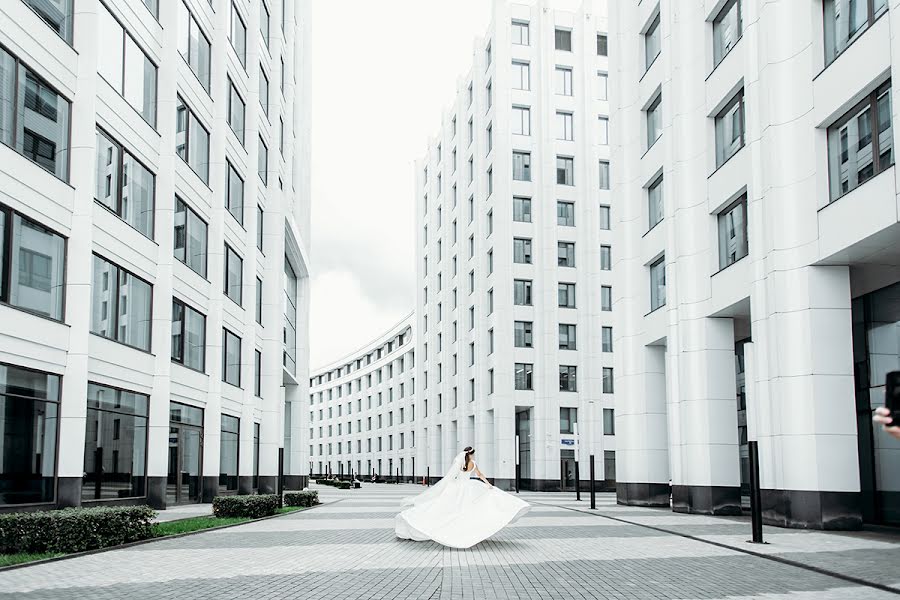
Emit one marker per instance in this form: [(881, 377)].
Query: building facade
[(362, 410), (757, 255), (153, 291), (514, 250)]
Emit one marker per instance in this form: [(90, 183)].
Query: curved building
[(362, 410)]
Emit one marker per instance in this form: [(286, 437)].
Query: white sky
[(383, 71)]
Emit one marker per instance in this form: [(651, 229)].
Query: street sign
[(567, 442)]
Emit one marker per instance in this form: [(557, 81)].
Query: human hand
[(883, 416)]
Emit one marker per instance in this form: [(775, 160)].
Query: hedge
[(74, 529), (304, 498), (253, 507)]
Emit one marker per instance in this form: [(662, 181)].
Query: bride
[(458, 511)]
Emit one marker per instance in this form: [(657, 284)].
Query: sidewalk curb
[(157, 539)]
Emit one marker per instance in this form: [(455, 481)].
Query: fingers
[(882, 411), (882, 420)]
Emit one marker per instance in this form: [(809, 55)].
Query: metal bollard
[(577, 484), (593, 487)]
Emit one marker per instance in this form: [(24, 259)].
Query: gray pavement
[(346, 549)]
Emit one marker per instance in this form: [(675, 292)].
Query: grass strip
[(194, 524), (7, 560)]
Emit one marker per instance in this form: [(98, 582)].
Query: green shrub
[(74, 529), (344, 485), (253, 507), (304, 498)]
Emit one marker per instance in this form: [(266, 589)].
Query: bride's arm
[(481, 476)]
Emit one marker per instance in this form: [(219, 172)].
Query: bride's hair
[(469, 450)]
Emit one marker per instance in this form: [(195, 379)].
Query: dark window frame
[(185, 307), (120, 177)]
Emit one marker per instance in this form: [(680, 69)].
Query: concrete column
[(79, 264)]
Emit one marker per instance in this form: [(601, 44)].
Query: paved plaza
[(346, 549)]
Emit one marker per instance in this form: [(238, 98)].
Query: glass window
[(564, 39), (120, 305), (234, 194), (521, 75), (846, 20), (726, 29), (193, 45), (524, 376), (264, 20), (606, 258), (609, 421), (567, 416), (34, 119), (521, 120), (290, 318), (231, 358), (652, 42), (523, 332), (257, 378), (522, 210), (854, 154), (602, 45), (605, 298), (607, 380), (658, 284), (192, 140), (264, 90), (29, 408), (238, 35), (259, 293), (190, 237), (115, 445), (522, 292), (259, 227), (607, 339), (733, 233), (603, 130), (567, 337), (236, 111), (730, 129), (125, 66), (656, 209), (566, 295), (522, 251), (124, 185), (32, 265), (153, 7), (520, 33), (565, 213), (228, 454), (604, 218), (489, 94), (565, 126), (522, 166), (563, 81), (57, 14), (234, 266), (567, 379), (565, 254), (565, 170), (654, 121), (604, 174), (263, 161), (188, 336), (602, 85)]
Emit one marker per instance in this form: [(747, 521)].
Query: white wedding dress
[(458, 511)]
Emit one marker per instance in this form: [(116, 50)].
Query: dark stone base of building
[(555, 485), (210, 487), (156, 492), (68, 491), (245, 485), (706, 500), (268, 484), (838, 511), (643, 494), (296, 482)]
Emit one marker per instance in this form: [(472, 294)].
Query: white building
[(757, 255), (362, 410), (148, 277), (513, 329)]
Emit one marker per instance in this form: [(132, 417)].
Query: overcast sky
[(382, 74)]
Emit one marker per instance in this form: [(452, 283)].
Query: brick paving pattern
[(346, 549)]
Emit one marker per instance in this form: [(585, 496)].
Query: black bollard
[(518, 475), (755, 495), (577, 484), (593, 487), (428, 476)]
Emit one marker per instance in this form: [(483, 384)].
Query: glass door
[(567, 470), (184, 482)]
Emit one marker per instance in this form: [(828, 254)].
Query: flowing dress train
[(458, 511)]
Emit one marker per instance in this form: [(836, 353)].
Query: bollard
[(577, 484), (755, 496), (428, 475), (593, 489)]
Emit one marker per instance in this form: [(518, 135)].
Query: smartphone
[(892, 395)]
